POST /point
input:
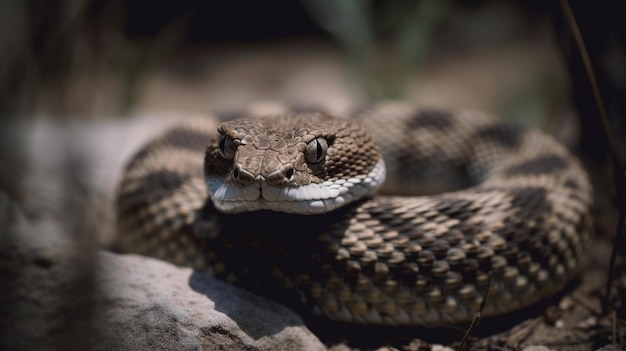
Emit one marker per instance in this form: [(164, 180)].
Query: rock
[(146, 304), (60, 291), (55, 298), (45, 298)]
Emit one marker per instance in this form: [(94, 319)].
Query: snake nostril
[(236, 173), (289, 174)]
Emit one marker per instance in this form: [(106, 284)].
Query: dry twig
[(477, 316)]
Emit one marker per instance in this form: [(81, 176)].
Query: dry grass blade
[(619, 174)]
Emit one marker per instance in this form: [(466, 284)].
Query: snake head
[(304, 163)]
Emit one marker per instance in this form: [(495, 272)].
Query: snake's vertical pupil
[(316, 150), (322, 146), (226, 147), (222, 143)]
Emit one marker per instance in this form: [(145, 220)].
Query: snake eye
[(227, 147), (316, 150)]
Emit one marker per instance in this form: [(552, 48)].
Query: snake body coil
[(293, 204)]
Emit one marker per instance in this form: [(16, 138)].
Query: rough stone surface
[(58, 290), (57, 297), (46, 285), (146, 304)]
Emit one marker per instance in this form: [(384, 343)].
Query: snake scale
[(293, 203)]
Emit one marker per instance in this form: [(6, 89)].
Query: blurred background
[(92, 58), (78, 72)]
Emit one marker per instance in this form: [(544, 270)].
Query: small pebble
[(552, 314), (440, 348), (537, 348), (566, 303), (587, 323)]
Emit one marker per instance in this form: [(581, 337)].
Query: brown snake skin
[(502, 199)]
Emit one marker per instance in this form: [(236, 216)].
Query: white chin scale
[(305, 199)]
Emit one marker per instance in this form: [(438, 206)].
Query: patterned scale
[(465, 196)]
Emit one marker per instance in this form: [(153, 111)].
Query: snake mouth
[(293, 198)]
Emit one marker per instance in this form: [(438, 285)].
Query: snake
[(381, 214)]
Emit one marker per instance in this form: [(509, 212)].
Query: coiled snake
[(296, 210)]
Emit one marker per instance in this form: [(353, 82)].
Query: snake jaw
[(314, 198)]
